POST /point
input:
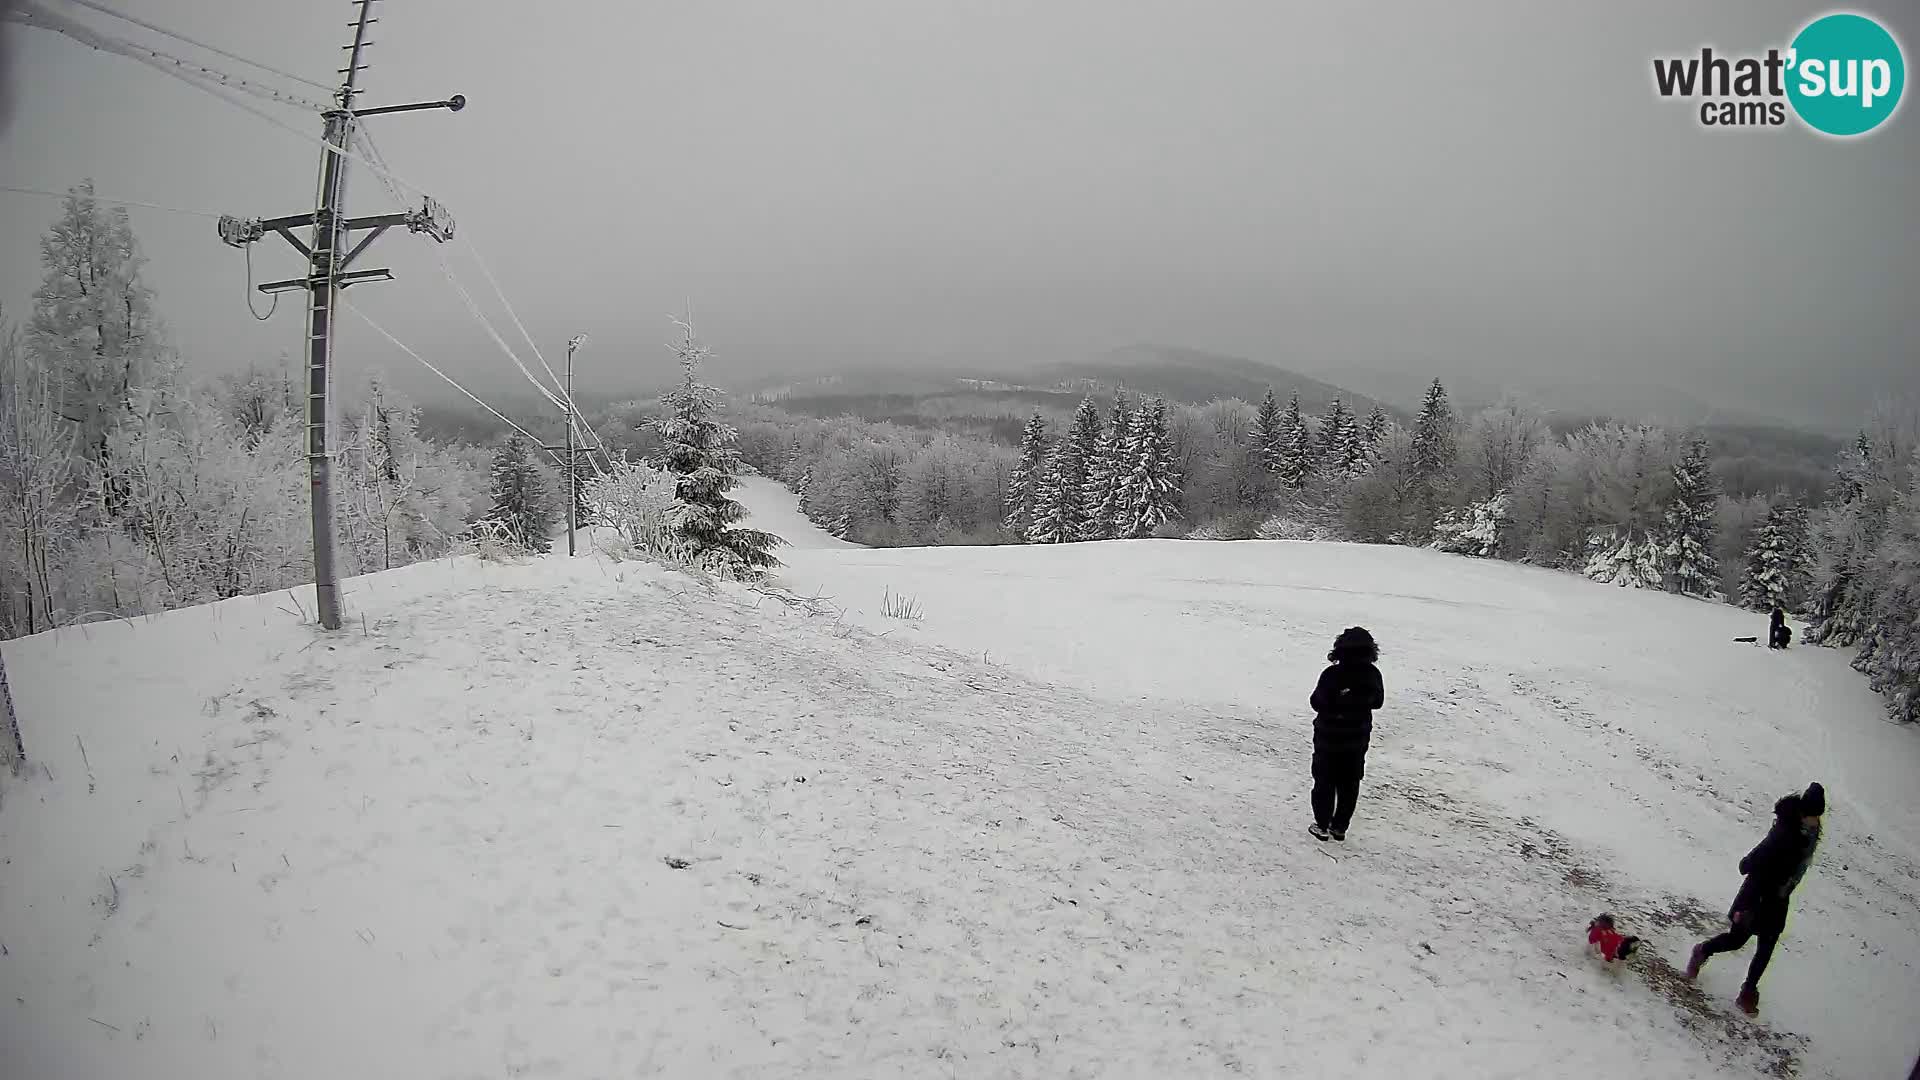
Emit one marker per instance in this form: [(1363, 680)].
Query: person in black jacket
[(1779, 635), (1773, 870), (1343, 703)]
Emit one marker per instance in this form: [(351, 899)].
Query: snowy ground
[(576, 818)]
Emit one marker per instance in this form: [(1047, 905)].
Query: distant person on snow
[(1773, 870), (1779, 635), (1343, 704)]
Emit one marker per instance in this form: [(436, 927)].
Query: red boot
[(1749, 1001), (1695, 959)]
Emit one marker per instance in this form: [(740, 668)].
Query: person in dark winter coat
[(1773, 871), (1778, 634), (1343, 703)]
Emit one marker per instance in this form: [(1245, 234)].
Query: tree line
[(1634, 505), (127, 488)]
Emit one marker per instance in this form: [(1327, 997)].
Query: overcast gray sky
[(1474, 189)]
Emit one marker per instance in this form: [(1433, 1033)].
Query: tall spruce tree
[(1269, 434), (1296, 446), (1435, 447), (1775, 571), (1691, 566), (1023, 487), (1342, 451), (1107, 474), (1076, 456), (93, 325), (1434, 441), (1373, 434), (1152, 490), (700, 451), (521, 503), (1054, 499)]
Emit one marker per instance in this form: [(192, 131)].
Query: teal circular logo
[(1846, 74)]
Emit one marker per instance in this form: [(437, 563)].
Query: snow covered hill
[(580, 818)]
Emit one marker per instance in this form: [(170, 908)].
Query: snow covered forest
[(1634, 505), (129, 489)]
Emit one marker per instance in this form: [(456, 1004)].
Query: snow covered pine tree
[(1775, 574), (1687, 547), (700, 452), (1342, 448), (1050, 524), (521, 504), (1296, 447), (1435, 447), (1151, 493), (1060, 513), (1373, 435), (1269, 434), (1023, 486), (1106, 474)]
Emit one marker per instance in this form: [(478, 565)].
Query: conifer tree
[(93, 325), (1373, 434), (1023, 486), (1687, 549), (1775, 570), (1055, 499), (1296, 448), (1435, 447), (521, 503), (1269, 434), (1060, 514), (1152, 489), (1342, 451), (1107, 474), (1434, 443), (699, 450)]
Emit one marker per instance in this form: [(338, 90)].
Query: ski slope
[(587, 818)]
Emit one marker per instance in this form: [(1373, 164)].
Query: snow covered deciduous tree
[(1107, 473), (1551, 514), (1151, 492), (1500, 441), (259, 399), (699, 450), (522, 506), (1627, 477), (637, 501), (1687, 543), (37, 514), (1890, 655), (1024, 486), (1846, 536), (1377, 506), (1296, 447)]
